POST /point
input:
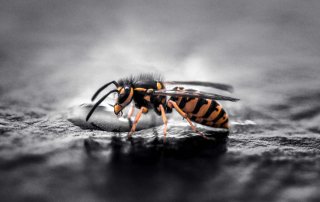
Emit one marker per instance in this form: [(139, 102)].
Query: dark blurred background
[(55, 54)]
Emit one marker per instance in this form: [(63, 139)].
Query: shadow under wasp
[(148, 91)]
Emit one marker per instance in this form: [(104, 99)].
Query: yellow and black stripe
[(151, 87), (203, 111)]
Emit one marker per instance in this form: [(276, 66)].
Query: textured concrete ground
[(54, 55)]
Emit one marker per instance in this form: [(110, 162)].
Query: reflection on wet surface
[(105, 119), (268, 160)]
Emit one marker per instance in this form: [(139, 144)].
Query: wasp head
[(125, 97)]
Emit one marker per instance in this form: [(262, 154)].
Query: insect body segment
[(143, 95), (207, 112), (148, 92)]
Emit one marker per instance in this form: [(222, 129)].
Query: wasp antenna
[(103, 87), (98, 103)]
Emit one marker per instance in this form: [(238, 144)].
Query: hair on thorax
[(140, 77)]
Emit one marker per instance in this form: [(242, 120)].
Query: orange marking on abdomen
[(209, 123), (190, 105), (198, 120), (203, 110), (222, 119), (215, 113)]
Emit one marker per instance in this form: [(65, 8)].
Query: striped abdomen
[(203, 111)]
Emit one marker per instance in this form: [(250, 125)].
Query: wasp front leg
[(131, 111), (136, 120), (184, 115)]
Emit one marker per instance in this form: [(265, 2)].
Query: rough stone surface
[(45, 158)]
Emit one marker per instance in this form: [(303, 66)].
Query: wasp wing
[(194, 94), (219, 86)]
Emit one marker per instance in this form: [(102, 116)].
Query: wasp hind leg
[(165, 122), (184, 115), (136, 120)]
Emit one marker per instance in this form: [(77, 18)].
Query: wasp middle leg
[(184, 115)]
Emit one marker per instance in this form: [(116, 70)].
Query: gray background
[(75, 46)]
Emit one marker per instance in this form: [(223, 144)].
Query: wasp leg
[(184, 115), (136, 120), (130, 111), (165, 122)]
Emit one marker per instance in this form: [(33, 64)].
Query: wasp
[(148, 91)]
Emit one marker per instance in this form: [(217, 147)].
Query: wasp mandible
[(148, 91)]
